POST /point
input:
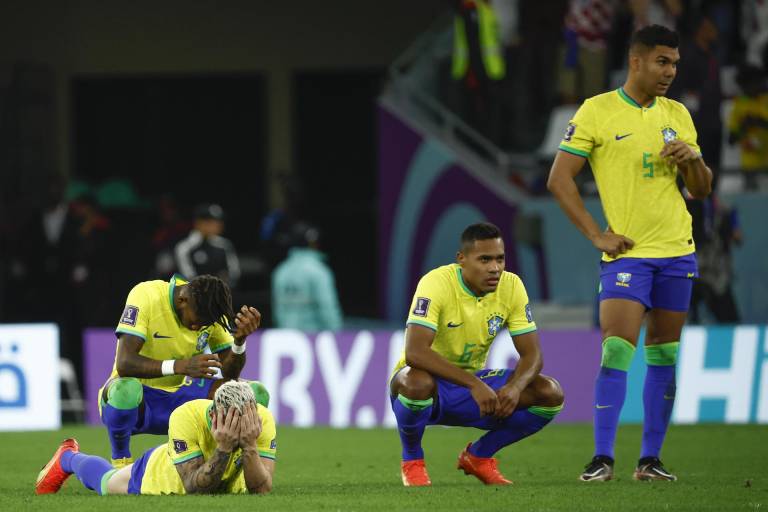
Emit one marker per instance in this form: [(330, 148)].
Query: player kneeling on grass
[(214, 447), (457, 312)]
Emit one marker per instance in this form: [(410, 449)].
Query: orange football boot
[(414, 473), (485, 469), (52, 477)]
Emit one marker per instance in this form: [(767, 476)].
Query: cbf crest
[(202, 340), (494, 325), (669, 134)]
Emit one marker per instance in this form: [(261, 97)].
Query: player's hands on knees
[(201, 365), (678, 152), (612, 244), (485, 397), (250, 426), (509, 397), (226, 429), (247, 320)]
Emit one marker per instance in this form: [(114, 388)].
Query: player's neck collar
[(463, 284), (175, 279), (626, 97)]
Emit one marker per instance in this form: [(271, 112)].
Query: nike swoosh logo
[(667, 397), (159, 336), (602, 406), (619, 137), (451, 324)]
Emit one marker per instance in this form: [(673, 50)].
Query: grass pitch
[(720, 468)]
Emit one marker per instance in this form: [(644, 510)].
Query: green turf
[(720, 468)]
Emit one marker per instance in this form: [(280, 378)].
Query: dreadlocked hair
[(233, 394), (213, 300)]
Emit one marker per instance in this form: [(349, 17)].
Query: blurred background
[(145, 138)]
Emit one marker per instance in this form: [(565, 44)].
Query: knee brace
[(663, 354), (125, 393), (617, 353)]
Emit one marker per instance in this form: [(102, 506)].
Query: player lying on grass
[(170, 331), (214, 447), (456, 313)]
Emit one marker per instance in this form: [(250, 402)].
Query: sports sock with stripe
[(658, 395), (610, 392), (412, 416)]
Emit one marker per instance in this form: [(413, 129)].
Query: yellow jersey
[(149, 314), (465, 324), (754, 138), (189, 437), (638, 188)]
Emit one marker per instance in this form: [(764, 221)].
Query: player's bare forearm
[(563, 186), (697, 177), (258, 477), (129, 363), (232, 365), (424, 358), (204, 477), (527, 368)]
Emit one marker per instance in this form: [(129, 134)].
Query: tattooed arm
[(257, 470), (204, 477), (201, 476)]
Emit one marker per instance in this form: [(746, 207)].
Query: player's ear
[(459, 257)]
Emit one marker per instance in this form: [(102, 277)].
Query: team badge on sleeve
[(130, 314), (422, 306), (569, 131), (179, 446), (528, 313), (273, 444)]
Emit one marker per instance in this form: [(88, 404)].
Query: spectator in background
[(173, 227), (754, 29), (532, 91), (205, 251), (478, 65), (748, 124), (584, 64), (303, 287), (656, 12), (697, 86), (716, 229)]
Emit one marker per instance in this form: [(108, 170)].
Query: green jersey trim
[(572, 151), (125, 330), (461, 282), (522, 331), (267, 455), (222, 348), (190, 456), (632, 102), (171, 287), (422, 323)]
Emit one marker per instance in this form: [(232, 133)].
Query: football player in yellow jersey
[(637, 141), (172, 338), (441, 379), (222, 446)]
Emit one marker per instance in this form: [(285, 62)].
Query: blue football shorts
[(663, 283)]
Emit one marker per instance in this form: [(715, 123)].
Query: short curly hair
[(233, 394)]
